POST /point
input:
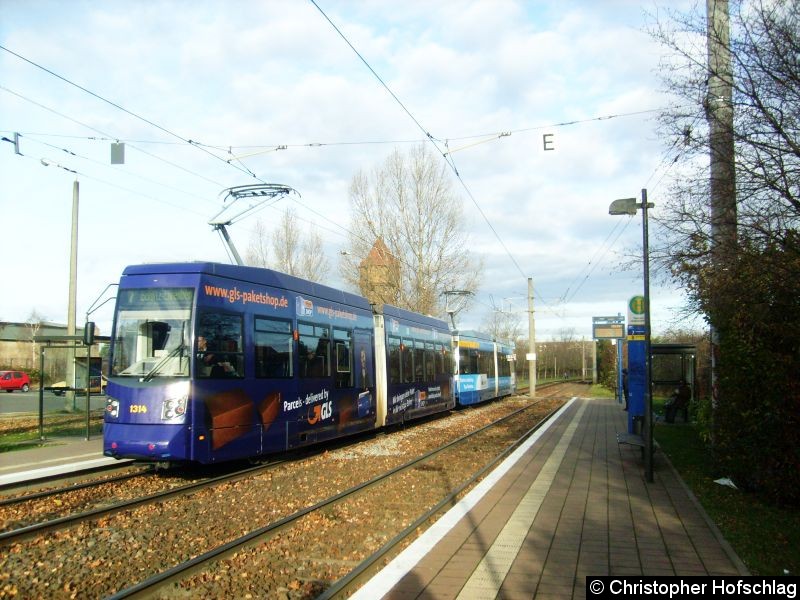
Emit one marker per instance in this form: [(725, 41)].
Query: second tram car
[(483, 368), (418, 364)]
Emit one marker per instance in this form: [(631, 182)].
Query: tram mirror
[(159, 332)]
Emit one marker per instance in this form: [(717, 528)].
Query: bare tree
[(313, 264), (764, 45), (570, 352), (34, 321), (504, 326), (257, 253), (408, 203), (295, 252), (286, 244)]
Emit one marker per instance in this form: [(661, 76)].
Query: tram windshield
[(152, 328)]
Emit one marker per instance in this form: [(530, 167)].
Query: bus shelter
[(674, 365), (85, 369)]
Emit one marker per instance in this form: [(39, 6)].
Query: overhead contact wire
[(445, 155), (125, 110)]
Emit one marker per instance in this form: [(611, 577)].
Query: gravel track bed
[(70, 502), (99, 558)]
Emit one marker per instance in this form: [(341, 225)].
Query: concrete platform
[(573, 503), (57, 457)]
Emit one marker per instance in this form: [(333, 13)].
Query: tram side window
[(505, 365), (419, 360), (463, 361), (395, 372), (344, 372), (486, 363), (273, 348), (469, 362), (474, 362), (314, 351), (430, 362), (406, 360), (446, 365), (219, 345)]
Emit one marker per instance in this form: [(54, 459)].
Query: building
[(379, 275), (20, 351)]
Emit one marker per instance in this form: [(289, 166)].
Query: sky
[(208, 95)]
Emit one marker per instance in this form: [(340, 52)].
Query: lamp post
[(628, 206)]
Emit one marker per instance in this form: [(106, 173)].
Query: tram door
[(364, 360), (364, 374)]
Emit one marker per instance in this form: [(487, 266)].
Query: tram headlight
[(173, 408), (112, 408)]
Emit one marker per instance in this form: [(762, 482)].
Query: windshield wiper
[(173, 353)]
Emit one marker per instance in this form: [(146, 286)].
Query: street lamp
[(628, 206)]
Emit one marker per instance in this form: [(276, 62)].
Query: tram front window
[(152, 333)]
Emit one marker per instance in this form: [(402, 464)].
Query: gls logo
[(321, 412)]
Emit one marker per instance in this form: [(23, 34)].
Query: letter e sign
[(548, 143)]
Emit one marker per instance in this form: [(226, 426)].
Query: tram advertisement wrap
[(250, 297), (472, 383), (414, 398)]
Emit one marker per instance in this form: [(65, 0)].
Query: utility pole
[(719, 114), (531, 342), (648, 351), (69, 402), (583, 358)]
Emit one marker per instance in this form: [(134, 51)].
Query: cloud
[(237, 78)]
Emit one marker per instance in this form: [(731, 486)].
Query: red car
[(14, 380)]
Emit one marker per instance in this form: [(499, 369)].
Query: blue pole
[(620, 391)]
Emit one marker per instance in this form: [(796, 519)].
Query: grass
[(600, 391), (766, 537), (22, 433)]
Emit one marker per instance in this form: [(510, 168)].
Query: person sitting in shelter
[(679, 400)]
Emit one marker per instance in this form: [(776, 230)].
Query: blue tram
[(483, 368), (418, 364), (213, 362)]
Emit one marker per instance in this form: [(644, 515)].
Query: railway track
[(58, 505), (70, 487), (346, 585), (89, 481), (161, 582), (204, 533), (33, 529)]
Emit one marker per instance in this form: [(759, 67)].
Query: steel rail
[(343, 586), (147, 470), (185, 569), (28, 531), (34, 529)]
